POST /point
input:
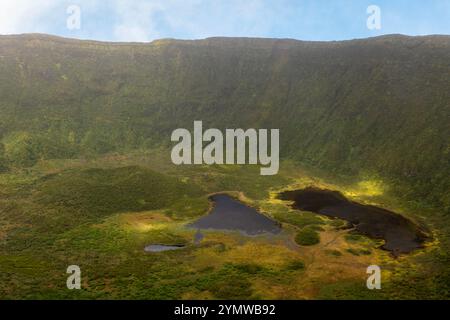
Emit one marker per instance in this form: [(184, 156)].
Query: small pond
[(228, 213)]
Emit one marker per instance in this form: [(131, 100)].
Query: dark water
[(230, 214), (161, 248), (399, 233)]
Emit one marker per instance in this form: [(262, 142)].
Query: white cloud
[(19, 16), (136, 20), (143, 20), (199, 18)]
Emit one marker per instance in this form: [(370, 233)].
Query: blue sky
[(146, 20)]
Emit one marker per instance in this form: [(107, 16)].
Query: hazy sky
[(145, 20)]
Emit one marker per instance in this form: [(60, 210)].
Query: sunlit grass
[(366, 188), (145, 221)]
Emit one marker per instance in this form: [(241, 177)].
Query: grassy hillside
[(379, 106)]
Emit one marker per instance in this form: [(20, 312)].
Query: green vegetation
[(85, 174), (299, 219), (3, 162), (335, 253), (106, 191), (337, 223), (295, 265), (229, 283), (353, 237), (53, 217), (357, 252), (350, 290), (338, 112), (307, 237)]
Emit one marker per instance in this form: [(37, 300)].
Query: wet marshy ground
[(400, 234)]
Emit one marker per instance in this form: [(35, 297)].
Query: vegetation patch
[(359, 252), (295, 265), (307, 237), (298, 219), (105, 191), (334, 253)]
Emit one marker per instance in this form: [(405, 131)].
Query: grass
[(105, 191), (50, 220), (335, 253), (358, 252), (295, 265), (307, 237)]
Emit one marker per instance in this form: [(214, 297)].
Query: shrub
[(358, 252), (307, 237), (351, 237), (335, 253), (249, 268), (295, 265)]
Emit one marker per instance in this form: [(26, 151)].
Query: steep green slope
[(378, 106)]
